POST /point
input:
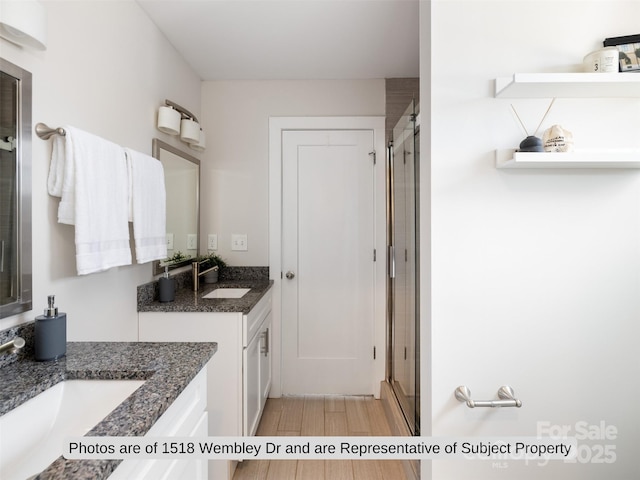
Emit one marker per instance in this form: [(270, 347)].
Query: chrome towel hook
[(505, 393)]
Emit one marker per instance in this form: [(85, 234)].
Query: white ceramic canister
[(604, 60)]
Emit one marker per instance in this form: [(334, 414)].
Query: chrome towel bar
[(505, 393), (45, 132)]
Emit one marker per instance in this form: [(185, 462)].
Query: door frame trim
[(277, 125)]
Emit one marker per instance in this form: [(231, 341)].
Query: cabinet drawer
[(255, 317)]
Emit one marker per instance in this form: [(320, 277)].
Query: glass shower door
[(403, 271)]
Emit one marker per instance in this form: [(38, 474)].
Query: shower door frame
[(410, 409)]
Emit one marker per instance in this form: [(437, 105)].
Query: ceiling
[(292, 39)]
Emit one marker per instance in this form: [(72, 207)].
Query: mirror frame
[(23, 300), (156, 146)]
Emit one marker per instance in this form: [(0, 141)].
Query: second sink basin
[(33, 433), (227, 293)]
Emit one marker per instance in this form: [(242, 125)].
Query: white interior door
[(328, 244)]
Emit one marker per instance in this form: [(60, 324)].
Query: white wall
[(235, 114), (106, 70), (534, 279)]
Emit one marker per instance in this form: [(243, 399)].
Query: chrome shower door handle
[(392, 261), (289, 274)]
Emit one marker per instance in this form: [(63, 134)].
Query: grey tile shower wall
[(399, 93)]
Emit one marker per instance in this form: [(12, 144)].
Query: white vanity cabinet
[(256, 375), (185, 417), (239, 374)]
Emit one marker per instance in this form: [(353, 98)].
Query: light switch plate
[(169, 241), (192, 241), (212, 241), (239, 242)]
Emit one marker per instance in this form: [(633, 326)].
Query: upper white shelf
[(584, 159), (568, 85)]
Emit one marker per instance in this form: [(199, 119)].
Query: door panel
[(251, 373), (404, 164), (328, 240)]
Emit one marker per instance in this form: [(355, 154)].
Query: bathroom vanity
[(169, 379), (240, 378)]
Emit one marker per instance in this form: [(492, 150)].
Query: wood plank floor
[(322, 416)]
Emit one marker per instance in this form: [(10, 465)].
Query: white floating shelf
[(568, 85), (587, 159)]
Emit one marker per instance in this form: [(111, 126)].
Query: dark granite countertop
[(187, 300), (167, 368)]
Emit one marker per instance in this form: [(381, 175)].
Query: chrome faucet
[(12, 346), (196, 273)]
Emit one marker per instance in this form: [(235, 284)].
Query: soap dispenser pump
[(50, 333), (166, 287)]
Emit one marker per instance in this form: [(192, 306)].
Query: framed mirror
[(15, 189), (182, 184)]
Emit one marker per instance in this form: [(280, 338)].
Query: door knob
[(290, 275)]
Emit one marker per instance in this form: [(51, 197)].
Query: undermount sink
[(227, 293), (33, 433)]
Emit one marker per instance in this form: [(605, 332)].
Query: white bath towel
[(94, 197), (148, 206), (62, 177)]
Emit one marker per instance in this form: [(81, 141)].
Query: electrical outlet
[(212, 241), (239, 241), (169, 241), (192, 241)]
